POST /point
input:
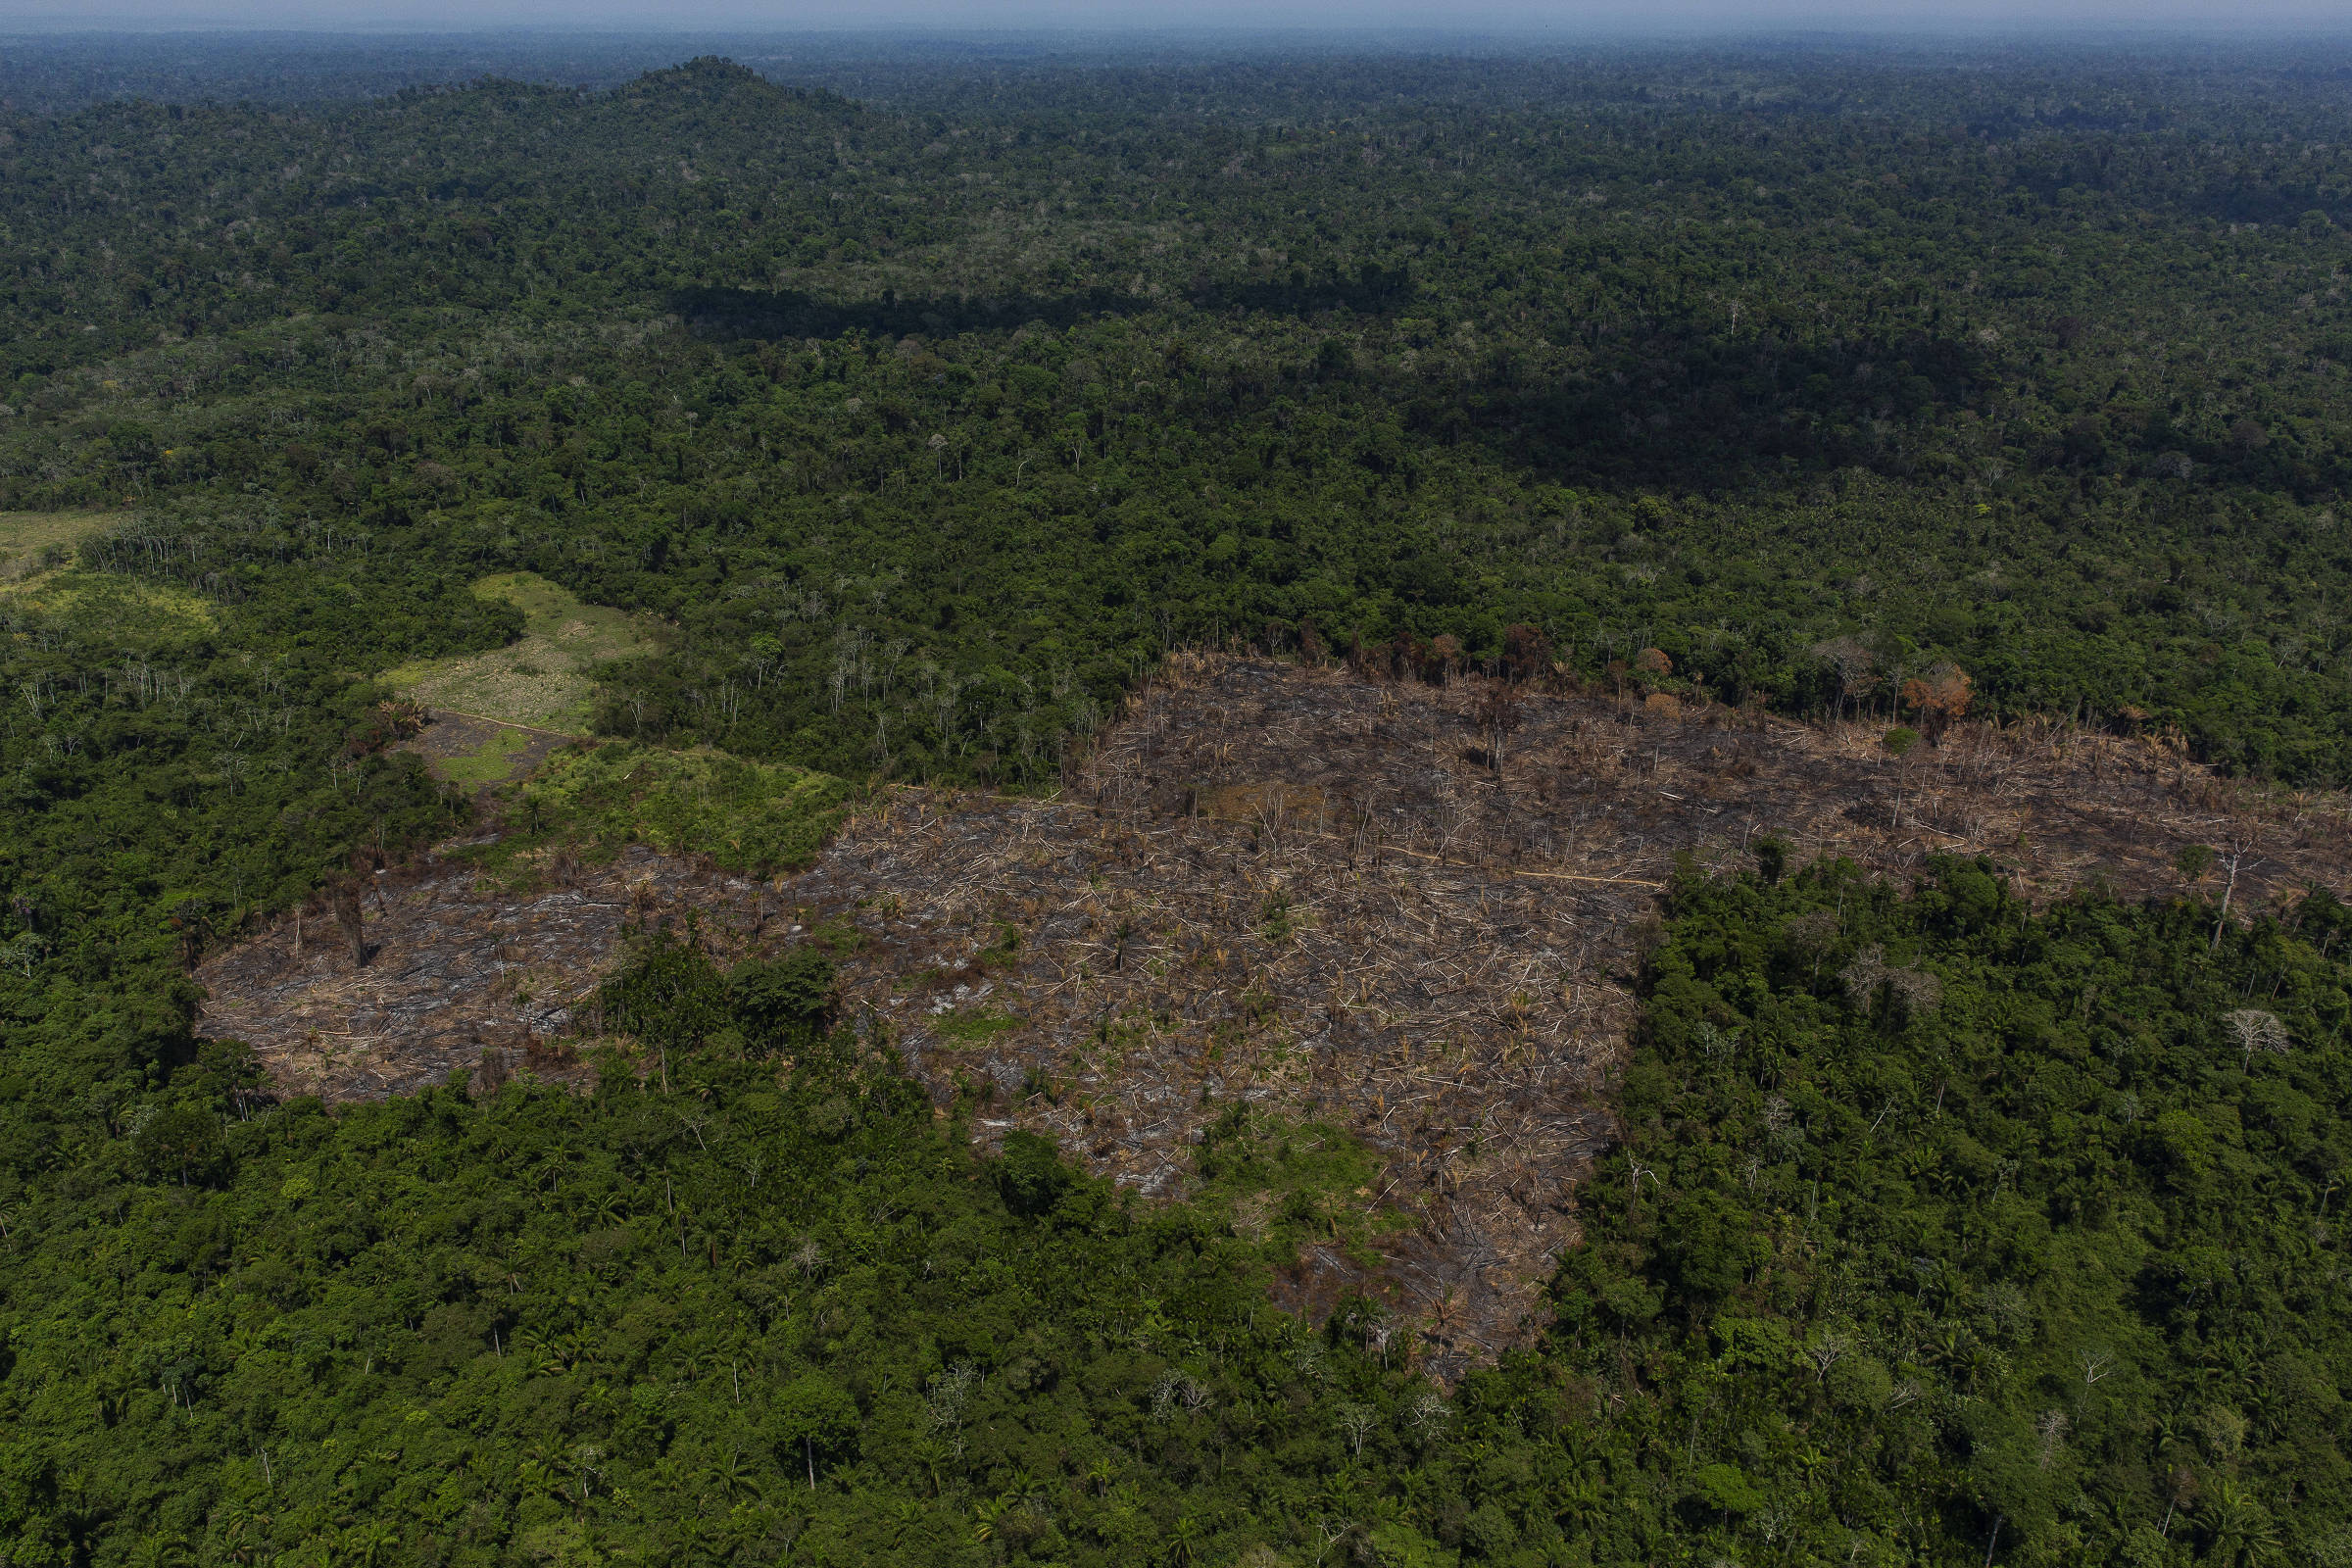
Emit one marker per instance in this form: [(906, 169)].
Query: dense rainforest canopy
[(926, 403), (925, 426)]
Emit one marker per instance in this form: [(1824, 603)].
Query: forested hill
[(469, 185)]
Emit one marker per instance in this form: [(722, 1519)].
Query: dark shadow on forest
[(1676, 405), (742, 313), (1726, 412), (1681, 406)]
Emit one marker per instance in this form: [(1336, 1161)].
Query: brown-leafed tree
[(1526, 651), (400, 717), (1312, 649), (1938, 697)]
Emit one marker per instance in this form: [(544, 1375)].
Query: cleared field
[(482, 754), (1273, 899), (37, 573), (38, 541), (545, 679)]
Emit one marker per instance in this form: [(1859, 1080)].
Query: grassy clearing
[(488, 764), (106, 607), (41, 541), (754, 817), (38, 576), (482, 754), (1289, 1183), (547, 678)]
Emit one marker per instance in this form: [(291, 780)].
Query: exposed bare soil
[(481, 752), (1411, 911), (460, 972)]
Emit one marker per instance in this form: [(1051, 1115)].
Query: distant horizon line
[(2332, 27)]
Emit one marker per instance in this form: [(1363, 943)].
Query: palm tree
[(556, 1353), (670, 1477), (735, 1475), (2239, 1531), (708, 1233), (904, 1517), (164, 1551), (536, 1475), (370, 1542), (1186, 1539), (1581, 1504), (244, 1530)]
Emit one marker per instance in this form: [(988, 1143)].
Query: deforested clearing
[(1413, 912)]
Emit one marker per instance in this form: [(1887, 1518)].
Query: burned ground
[(1410, 911), (482, 754), (461, 970)]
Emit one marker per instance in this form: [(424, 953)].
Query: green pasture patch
[(754, 817), (974, 1026), (1286, 1183), (838, 937), (40, 541), (489, 762), (38, 576), (551, 611), (123, 612), (546, 678)]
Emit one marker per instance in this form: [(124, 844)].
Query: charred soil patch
[(482, 754), (1417, 913), (459, 971)]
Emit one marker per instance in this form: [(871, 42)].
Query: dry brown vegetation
[(1412, 911), (459, 971)]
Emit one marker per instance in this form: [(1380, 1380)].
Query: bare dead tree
[(2257, 1030), (343, 898), (2242, 845)]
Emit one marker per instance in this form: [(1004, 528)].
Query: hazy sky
[(1548, 15)]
